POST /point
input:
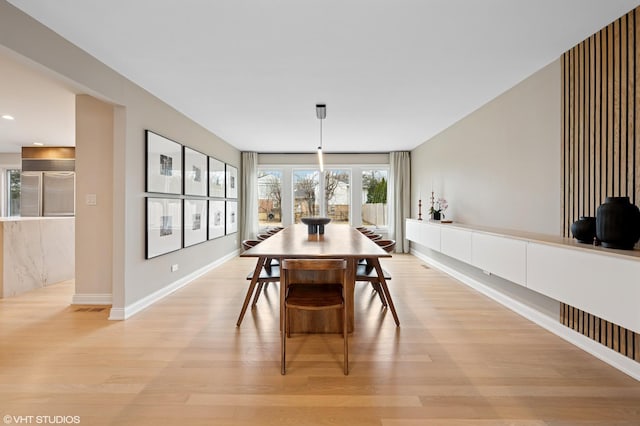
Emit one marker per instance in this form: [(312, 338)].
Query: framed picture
[(195, 172), (164, 226), (232, 217), (217, 219), (195, 221), (216, 178), (164, 164), (232, 181)]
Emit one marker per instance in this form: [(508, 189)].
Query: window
[(269, 197), (13, 192), (337, 195), (374, 197), (305, 194), (352, 194)]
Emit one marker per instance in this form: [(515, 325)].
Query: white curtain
[(400, 189), (249, 191)]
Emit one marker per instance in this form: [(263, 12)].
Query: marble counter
[(36, 252)]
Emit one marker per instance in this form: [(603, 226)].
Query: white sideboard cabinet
[(603, 282)]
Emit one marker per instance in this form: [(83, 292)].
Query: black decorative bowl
[(584, 229), (315, 224)]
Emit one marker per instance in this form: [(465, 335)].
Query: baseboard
[(92, 299), (132, 309), (611, 357)]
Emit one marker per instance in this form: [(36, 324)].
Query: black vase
[(436, 215), (584, 229), (618, 223)]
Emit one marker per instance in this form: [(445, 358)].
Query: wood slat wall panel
[(601, 101), (600, 150), (620, 339), (636, 103)]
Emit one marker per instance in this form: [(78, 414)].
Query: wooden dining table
[(294, 242)]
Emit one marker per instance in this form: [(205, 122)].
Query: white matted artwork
[(232, 181), (195, 221), (216, 178), (232, 217), (217, 219), (195, 172), (164, 226), (164, 164)]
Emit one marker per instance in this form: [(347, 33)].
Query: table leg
[(351, 285), (252, 286), (283, 290)]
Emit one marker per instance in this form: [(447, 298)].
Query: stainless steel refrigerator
[(48, 194)]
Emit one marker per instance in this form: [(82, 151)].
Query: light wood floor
[(458, 359)]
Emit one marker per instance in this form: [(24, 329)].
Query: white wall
[(499, 166), (11, 160), (94, 223), (134, 278)]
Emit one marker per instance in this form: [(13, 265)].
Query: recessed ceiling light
[(38, 143), (8, 117)]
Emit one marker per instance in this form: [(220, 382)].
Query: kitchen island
[(36, 252)]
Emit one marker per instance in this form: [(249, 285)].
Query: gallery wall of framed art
[(164, 225), (232, 181), (191, 197), (216, 178), (195, 172), (164, 165), (217, 218), (195, 221)]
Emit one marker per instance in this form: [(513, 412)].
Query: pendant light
[(321, 113)]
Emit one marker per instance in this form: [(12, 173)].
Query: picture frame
[(231, 217), (232, 181), (163, 164), (195, 172), (217, 219), (195, 221), (217, 181), (163, 226)]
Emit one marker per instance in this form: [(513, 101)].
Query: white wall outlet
[(174, 267), (91, 199)]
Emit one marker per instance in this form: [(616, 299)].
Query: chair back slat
[(387, 245), (247, 244)]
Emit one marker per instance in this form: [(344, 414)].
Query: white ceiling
[(43, 108), (393, 73)]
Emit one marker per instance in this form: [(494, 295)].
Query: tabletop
[(339, 241)]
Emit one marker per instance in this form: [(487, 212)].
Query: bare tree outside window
[(337, 195), (270, 197), (305, 188)]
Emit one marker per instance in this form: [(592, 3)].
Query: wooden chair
[(372, 272), (312, 285), (269, 273), (374, 237), (388, 245)]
